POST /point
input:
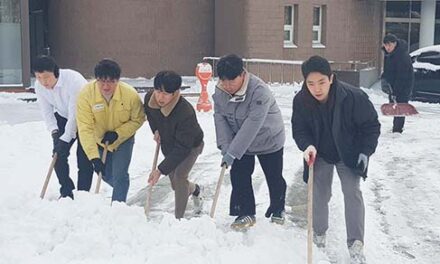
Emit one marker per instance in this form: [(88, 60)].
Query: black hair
[(107, 69), (229, 67), (45, 63), (167, 81), (389, 38), (316, 64)]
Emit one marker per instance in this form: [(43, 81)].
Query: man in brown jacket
[(174, 124)]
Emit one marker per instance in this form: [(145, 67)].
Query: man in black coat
[(398, 74), (174, 124), (336, 125)]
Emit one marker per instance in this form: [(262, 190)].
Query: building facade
[(146, 36)]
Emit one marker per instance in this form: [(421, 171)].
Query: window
[(317, 25), (403, 19), (10, 43), (290, 23)]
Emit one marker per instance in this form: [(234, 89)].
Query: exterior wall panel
[(231, 27), (143, 36)]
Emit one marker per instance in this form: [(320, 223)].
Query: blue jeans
[(116, 169)]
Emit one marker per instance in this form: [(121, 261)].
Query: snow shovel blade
[(398, 109), (139, 198)]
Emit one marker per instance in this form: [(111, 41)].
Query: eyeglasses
[(107, 81)]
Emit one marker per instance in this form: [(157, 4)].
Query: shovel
[(49, 173), (397, 109), (217, 191), (147, 204), (310, 163), (104, 157)]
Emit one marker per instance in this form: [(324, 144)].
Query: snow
[(425, 49), (426, 66), (401, 195)]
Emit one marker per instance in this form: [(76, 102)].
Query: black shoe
[(243, 222), (70, 195), (319, 240), (278, 218), (196, 191), (197, 197)]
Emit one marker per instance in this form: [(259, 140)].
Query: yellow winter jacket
[(124, 114)]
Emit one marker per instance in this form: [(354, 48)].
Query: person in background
[(398, 75)]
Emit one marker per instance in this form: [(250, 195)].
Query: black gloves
[(269, 212), (98, 166), (110, 136), (62, 149), (386, 87)]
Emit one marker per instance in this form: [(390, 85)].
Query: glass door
[(10, 43)]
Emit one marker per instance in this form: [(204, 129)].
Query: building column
[(427, 23), (25, 44)]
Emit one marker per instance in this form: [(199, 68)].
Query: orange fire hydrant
[(204, 73)]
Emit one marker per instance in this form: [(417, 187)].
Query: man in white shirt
[(57, 91)]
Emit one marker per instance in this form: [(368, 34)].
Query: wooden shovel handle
[(49, 173), (310, 212), (147, 205), (104, 157), (217, 191)]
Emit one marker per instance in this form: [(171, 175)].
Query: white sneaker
[(198, 199), (319, 240), (357, 253)]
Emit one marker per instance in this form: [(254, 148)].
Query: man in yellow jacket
[(109, 110)]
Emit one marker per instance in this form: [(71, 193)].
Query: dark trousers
[(242, 196), (85, 168), (399, 121)]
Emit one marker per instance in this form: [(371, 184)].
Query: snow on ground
[(401, 194)]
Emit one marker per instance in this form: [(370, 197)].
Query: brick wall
[(144, 36), (351, 30)]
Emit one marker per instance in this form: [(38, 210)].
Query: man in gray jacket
[(248, 123)]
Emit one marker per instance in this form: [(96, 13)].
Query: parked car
[(426, 64)]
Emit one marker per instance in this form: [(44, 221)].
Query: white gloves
[(310, 152), (362, 163)]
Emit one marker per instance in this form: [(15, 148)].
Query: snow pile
[(89, 230), (15, 98)]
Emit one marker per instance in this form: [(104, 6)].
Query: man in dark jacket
[(398, 74), (248, 123), (174, 124), (335, 124)]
